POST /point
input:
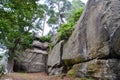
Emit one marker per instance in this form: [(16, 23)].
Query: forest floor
[(33, 76)]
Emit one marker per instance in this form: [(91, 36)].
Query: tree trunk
[(59, 18), (44, 21), (10, 65), (11, 56)]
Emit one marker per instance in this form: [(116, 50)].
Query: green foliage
[(75, 6), (76, 15), (65, 31), (57, 13), (52, 20), (46, 38), (27, 40), (16, 18)]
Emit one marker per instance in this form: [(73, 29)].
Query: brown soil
[(32, 76)]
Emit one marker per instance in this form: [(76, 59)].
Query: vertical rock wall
[(93, 50)]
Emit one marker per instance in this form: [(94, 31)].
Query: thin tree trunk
[(59, 21), (44, 24), (11, 56), (53, 33), (10, 65)]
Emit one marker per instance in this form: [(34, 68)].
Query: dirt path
[(32, 76)]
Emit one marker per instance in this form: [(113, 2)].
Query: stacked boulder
[(35, 59), (93, 49)]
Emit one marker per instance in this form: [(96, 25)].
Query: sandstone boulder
[(93, 34), (94, 47), (35, 50), (97, 69), (54, 58), (32, 61), (55, 63), (40, 45)]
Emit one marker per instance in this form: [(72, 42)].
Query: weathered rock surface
[(96, 36), (40, 45), (115, 42), (33, 61), (94, 32), (54, 57), (55, 63), (35, 50), (97, 69)]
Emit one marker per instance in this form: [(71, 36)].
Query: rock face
[(40, 45), (97, 69), (96, 36), (34, 60), (54, 57), (96, 30), (55, 63), (95, 43), (89, 35), (115, 41)]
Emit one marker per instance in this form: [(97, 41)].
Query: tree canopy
[(16, 20)]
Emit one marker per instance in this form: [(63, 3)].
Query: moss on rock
[(71, 62), (73, 72)]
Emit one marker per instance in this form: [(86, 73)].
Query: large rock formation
[(33, 60), (54, 57), (97, 69), (95, 42), (55, 63), (96, 33)]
